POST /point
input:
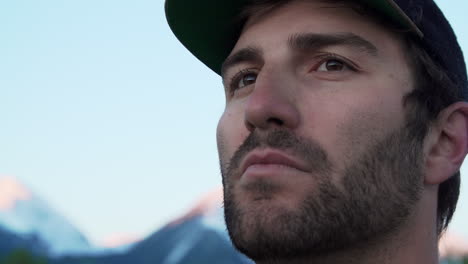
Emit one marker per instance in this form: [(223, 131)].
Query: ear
[(448, 143)]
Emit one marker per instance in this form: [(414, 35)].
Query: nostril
[(276, 121), (249, 126), (268, 123)]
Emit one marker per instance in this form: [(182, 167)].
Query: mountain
[(25, 215), (453, 246), (10, 241), (199, 236), (28, 222), (189, 242)]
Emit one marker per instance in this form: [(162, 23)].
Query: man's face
[(316, 149)]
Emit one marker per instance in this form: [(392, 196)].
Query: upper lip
[(269, 156)]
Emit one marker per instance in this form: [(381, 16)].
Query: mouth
[(272, 159)]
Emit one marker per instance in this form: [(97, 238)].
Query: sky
[(106, 116)]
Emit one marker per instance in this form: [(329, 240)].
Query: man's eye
[(332, 65), (243, 79)]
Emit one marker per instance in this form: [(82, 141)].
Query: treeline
[(21, 256)]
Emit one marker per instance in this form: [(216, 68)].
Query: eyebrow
[(304, 42), (313, 41), (252, 54)]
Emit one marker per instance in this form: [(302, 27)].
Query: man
[(344, 129)]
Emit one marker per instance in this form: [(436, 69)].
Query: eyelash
[(322, 58), (237, 77)]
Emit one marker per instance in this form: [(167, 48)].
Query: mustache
[(308, 150)]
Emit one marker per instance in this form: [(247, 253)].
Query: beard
[(376, 195)]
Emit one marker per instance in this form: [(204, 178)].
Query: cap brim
[(208, 30)]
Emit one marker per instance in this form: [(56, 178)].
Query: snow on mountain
[(10, 192), (210, 207), (198, 236), (24, 213), (119, 240), (453, 245)]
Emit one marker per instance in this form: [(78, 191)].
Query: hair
[(433, 91)]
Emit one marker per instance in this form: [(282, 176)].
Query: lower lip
[(268, 170)]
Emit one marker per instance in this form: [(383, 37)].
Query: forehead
[(322, 17)]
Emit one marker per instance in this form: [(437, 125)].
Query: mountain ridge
[(197, 235), (26, 214)]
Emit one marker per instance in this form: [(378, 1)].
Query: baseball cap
[(209, 29)]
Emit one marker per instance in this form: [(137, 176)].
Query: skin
[(343, 97)]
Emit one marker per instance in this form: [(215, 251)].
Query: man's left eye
[(332, 65)]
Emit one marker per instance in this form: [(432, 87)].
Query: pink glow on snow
[(11, 191), (453, 245), (118, 240), (208, 202)]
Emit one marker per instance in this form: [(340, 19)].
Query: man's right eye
[(243, 78)]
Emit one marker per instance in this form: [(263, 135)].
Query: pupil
[(334, 65), (248, 79)]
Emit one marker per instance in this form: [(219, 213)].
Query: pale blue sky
[(106, 116)]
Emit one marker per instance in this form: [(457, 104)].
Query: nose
[(272, 103)]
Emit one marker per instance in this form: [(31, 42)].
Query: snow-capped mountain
[(198, 236), (24, 213), (209, 209)]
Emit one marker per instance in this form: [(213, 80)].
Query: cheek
[(348, 124), (221, 142), (230, 134), (364, 126)]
